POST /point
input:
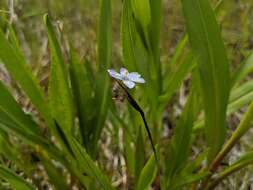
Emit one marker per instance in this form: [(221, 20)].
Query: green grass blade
[(104, 36), (60, 98), (42, 146), (139, 154), (13, 39), (148, 174), (240, 102), (175, 78), (19, 70), (179, 50), (195, 164), (154, 37), (244, 70), (142, 12), (6, 148), (129, 153), (243, 127), (15, 181), (89, 71), (128, 36), (209, 50), (10, 127), (155, 28), (171, 80), (53, 174), (88, 166), (241, 163), (180, 142), (102, 94), (240, 96), (82, 92), (177, 54), (10, 107), (188, 179), (247, 158), (241, 90)]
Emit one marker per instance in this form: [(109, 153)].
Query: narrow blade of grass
[(139, 154), (148, 174), (142, 12), (180, 142), (88, 166), (209, 50), (102, 94), (53, 174), (245, 68), (189, 179), (128, 36), (15, 181), (154, 37), (176, 77), (16, 65), (242, 162), (82, 92), (243, 127), (9, 106), (240, 91), (60, 98)]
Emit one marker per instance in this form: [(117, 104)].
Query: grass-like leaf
[(188, 179), (242, 162), (154, 30), (15, 181), (142, 11), (209, 50), (82, 92), (60, 98), (88, 166), (16, 65), (53, 173), (139, 154), (239, 97), (44, 148), (243, 127), (10, 108), (128, 36), (245, 68), (102, 93), (174, 79), (180, 142), (148, 174)]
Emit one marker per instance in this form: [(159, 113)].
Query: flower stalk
[(135, 105)]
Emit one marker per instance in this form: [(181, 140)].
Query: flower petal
[(123, 71), (139, 80), (114, 74), (129, 83), (135, 77), (135, 74)]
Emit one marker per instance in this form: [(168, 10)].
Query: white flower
[(129, 79)]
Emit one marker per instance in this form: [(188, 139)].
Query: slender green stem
[(228, 172), (239, 132)]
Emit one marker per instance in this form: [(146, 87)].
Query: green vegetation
[(64, 123)]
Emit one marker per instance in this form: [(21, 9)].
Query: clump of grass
[(62, 135)]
